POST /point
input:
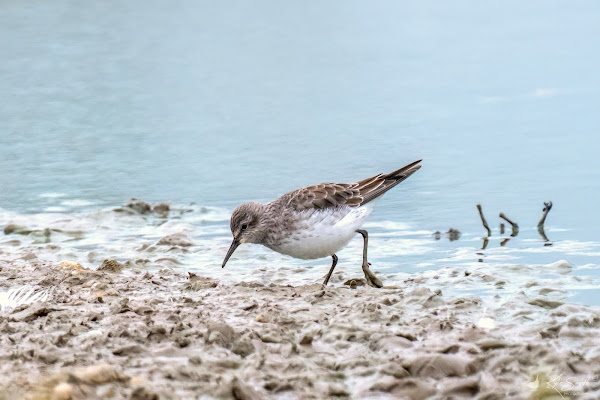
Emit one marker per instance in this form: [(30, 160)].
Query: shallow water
[(219, 105), (397, 251)]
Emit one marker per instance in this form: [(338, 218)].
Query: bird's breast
[(320, 233)]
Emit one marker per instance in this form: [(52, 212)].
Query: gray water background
[(219, 103)]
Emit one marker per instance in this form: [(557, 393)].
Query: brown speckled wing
[(327, 195)]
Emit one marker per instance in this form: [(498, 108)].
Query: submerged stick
[(515, 226), (483, 221), (485, 243), (543, 234), (546, 210)]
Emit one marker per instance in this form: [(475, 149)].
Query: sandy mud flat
[(144, 328), (116, 332)]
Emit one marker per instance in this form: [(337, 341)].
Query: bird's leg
[(372, 280), (333, 264)]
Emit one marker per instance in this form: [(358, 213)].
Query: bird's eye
[(244, 227)]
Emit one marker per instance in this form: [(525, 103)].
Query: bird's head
[(246, 226)]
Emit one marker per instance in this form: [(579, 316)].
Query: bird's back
[(318, 220)]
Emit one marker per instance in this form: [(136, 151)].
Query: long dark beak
[(234, 245)]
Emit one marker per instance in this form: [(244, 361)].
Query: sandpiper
[(315, 221)]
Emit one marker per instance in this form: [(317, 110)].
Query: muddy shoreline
[(126, 332)]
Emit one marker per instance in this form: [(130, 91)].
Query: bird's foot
[(372, 280)]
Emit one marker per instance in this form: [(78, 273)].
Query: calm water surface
[(219, 104)]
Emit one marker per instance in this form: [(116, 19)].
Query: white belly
[(324, 232)]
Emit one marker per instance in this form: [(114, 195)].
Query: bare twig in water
[(546, 210), (501, 228), (503, 243), (483, 221), (515, 226)]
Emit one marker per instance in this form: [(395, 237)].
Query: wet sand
[(123, 332), (144, 328)]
